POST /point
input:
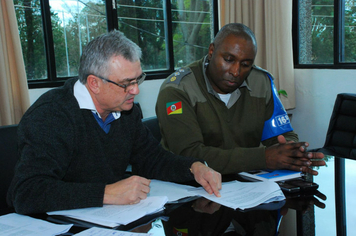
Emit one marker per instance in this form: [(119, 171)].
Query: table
[(314, 216)]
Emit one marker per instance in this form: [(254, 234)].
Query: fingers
[(302, 165), (211, 182), (140, 188), (308, 170), (140, 195), (209, 179), (318, 203), (135, 202), (144, 181), (207, 187), (313, 159), (293, 156), (128, 191), (315, 155), (318, 163), (215, 184), (303, 148), (281, 139), (320, 195)]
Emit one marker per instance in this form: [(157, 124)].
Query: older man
[(76, 141)]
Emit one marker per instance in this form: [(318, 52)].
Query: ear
[(211, 50), (93, 84)]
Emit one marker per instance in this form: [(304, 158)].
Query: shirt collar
[(85, 101)]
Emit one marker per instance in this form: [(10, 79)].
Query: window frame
[(338, 39), (112, 23)]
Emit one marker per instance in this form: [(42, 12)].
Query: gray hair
[(236, 29), (97, 53)]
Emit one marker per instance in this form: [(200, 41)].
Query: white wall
[(148, 96), (316, 91), (36, 93)]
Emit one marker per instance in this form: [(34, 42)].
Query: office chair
[(341, 135), (153, 125), (8, 159)]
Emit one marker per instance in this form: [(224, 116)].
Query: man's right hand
[(128, 191), (292, 156)]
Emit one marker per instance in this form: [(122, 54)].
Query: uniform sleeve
[(182, 135), (290, 136)]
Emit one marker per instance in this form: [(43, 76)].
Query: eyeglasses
[(128, 86)]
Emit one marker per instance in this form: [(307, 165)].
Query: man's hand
[(128, 191), (207, 177), (293, 156)]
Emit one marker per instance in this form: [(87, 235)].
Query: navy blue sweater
[(66, 159)]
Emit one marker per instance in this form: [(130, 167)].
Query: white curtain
[(14, 95), (271, 21)]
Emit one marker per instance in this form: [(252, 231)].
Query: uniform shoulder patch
[(177, 76)]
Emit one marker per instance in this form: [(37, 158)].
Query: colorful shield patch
[(174, 108)]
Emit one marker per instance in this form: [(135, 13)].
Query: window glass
[(28, 13), (316, 31), (171, 33), (348, 48), (74, 24), (144, 23), (192, 30), (317, 44)]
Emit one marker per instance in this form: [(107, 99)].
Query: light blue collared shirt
[(85, 101)]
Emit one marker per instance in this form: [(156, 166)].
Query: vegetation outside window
[(171, 33), (324, 33)]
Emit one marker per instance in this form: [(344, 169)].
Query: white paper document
[(114, 215), (234, 194), (16, 224), (173, 191), (244, 195)]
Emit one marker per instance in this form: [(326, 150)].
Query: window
[(171, 33), (324, 33)]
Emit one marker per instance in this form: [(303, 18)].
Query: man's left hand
[(207, 177), (293, 156)]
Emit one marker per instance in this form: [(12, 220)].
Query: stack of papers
[(244, 195), (16, 224), (115, 215), (234, 194)]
